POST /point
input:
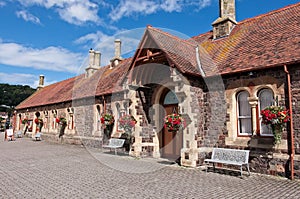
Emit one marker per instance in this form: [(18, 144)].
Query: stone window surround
[(118, 108), (233, 138)]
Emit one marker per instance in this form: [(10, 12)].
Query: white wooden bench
[(38, 136), (10, 134), (114, 143), (229, 156), (19, 134)]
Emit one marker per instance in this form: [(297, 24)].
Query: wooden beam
[(149, 56)]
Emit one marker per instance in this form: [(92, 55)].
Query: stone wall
[(294, 70), (219, 116)]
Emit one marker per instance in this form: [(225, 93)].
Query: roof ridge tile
[(269, 13)]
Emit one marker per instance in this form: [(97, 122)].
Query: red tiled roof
[(181, 52), (267, 40), (104, 81), (272, 39)]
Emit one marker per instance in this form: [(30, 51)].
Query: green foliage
[(12, 95)]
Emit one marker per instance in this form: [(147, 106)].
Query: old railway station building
[(219, 81)]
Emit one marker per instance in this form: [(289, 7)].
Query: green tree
[(12, 95)]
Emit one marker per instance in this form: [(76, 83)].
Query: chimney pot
[(226, 21), (91, 57), (94, 62), (118, 48), (41, 82)]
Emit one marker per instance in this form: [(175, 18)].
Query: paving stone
[(30, 169)]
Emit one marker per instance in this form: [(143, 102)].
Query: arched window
[(170, 98), (266, 98), (244, 114), (118, 107), (98, 117)]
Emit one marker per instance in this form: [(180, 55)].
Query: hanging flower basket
[(107, 119), (39, 122), (127, 122), (276, 117), (36, 121), (174, 122), (61, 120), (25, 121)]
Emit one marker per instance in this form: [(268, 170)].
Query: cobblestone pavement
[(37, 169)]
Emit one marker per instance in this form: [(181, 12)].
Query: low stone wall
[(95, 142)]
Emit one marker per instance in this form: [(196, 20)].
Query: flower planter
[(276, 117), (174, 122), (277, 132)]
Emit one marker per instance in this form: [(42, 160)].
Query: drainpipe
[(292, 150)]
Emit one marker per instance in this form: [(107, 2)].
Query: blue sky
[(52, 37)]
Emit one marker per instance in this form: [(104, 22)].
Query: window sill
[(255, 142)]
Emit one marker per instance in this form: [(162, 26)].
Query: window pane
[(170, 98), (244, 113), (266, 98), (244, 106), (245, 126)]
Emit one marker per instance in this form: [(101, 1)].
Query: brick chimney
[(94, 62), (226, 20), (117, 58), (41, 82)]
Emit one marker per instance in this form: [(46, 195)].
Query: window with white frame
[(266, 98), (244, 114)]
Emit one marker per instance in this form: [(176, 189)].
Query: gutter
[(291, 145)]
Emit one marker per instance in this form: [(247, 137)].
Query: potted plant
[(63, 122), (25, 121), (39, 122), (276, 117), (174, 122), (107, 119), (127, 122)]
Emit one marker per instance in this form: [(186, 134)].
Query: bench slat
[(224, 162), (114, 143), (230, 156)]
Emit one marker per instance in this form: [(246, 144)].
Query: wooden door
[(171, 141)]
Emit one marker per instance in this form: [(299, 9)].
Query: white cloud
[(73, 11), (27, 16), (2, 4), (93, 38), (22, 79), (171, 5), (50, 58), (105, 43), (127, 8), (204, 3), (79, 12), (17, 78)]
